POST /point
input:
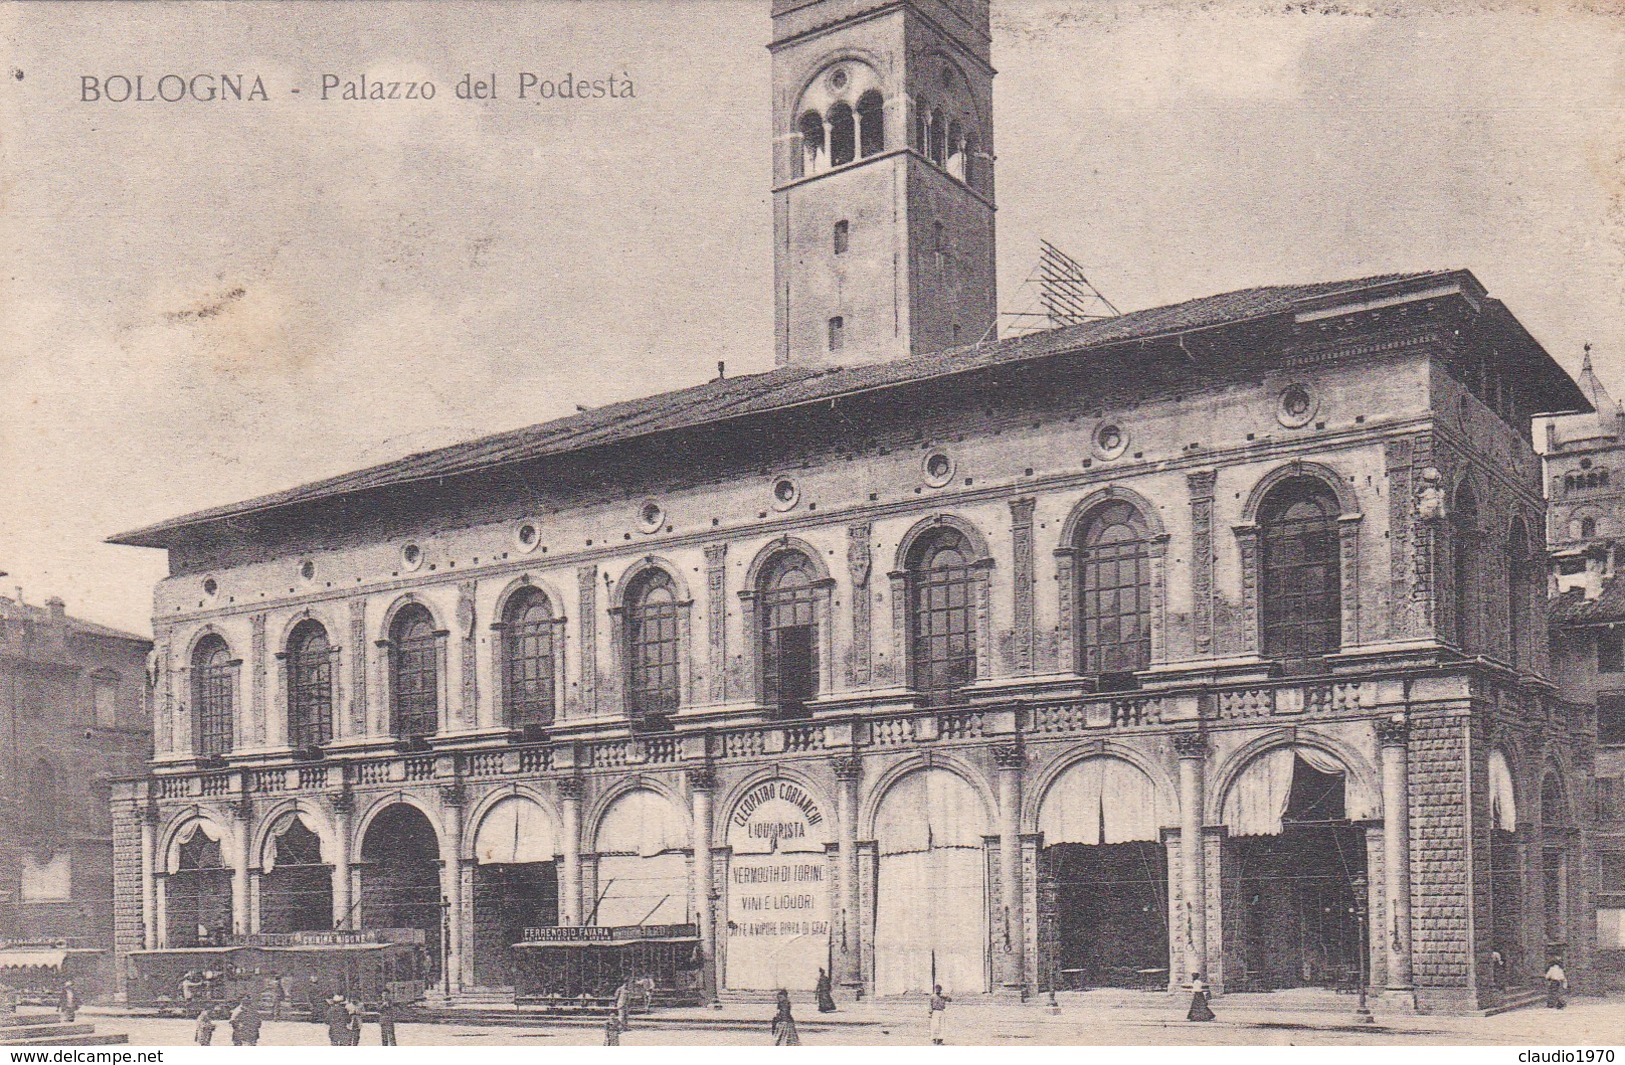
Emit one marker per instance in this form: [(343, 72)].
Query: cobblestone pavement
[(1588, 1021)]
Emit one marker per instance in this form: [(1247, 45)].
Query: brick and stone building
[(73, 696), (1207, 638), (1584, 455)]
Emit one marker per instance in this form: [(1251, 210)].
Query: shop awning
[(1100, 800), (1503, 798), (324, 948), (32, 959), (515, 831), (575, 944)]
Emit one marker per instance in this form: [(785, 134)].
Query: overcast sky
[(204, 302)]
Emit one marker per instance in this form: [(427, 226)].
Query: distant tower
[(882, 178)]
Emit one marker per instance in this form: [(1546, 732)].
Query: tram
[(300, 971), (578, 969)]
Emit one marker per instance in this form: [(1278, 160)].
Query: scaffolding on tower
[(1057, 294)]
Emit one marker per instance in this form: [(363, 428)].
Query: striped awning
[(29, 959)]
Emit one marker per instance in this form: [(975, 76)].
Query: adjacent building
[(1208, 638), (74, 713)]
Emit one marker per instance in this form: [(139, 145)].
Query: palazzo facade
[(1208, 638)]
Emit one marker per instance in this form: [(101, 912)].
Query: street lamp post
[(445, 945), (1362, 1012)]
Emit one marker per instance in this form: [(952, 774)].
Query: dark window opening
[(843, 232), (1300, 593), (813, 155), (871, 124), (1611, 724), (837, 333), (1610, 651), (842, 136)]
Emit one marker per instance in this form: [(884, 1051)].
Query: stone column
[(149, 885), (1192, 750), (702, 782), (451, 880), (570, 858), (1010, 760), (848, 770), (343, 902), (1392, 733), (240, 922)]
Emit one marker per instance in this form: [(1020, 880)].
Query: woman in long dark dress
[(824, 990), (1199, 1010), (784, 1025)]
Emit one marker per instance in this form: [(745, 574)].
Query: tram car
[(292, 974), (36, 971), (578, 969)]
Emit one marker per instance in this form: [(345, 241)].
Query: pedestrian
[(352, 1009), (939, 1012), (1200, 1010), (784, 1025), (190, 982), (245, 1023), (338, 1022), (205, 1027), (67, 1002), (824, 989), (1557, 982), (279, 995), (623, 1004), (612, 1031), (386, 1021)]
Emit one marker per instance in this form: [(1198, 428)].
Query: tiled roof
[(11, 608), (1573, 608), (790, 386)]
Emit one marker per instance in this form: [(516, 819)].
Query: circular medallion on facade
[(526, 536), (938, 468), (211, 587), (307, 570), (837, 79), (650, 517), (786, 494), (1110, 440), (1296, 406), (411, 556)]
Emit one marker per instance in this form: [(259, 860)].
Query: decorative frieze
[(1021, 542), (1200, 484)]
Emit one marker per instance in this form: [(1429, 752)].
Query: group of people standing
[(343, 1017)]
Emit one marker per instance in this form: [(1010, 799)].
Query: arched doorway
[(296, 882), (1292, 864), (400, 877), (778, 905), (516, 884), (931, 894), (197, 891), (642, 846), (1104, 876), (1506, 878)]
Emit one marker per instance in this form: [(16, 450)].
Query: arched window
[(1464, 544), (787, 607), (938, 148), (843, 143), (527, 659), (814, 158), (1301, 588), (652, 647), (1113, 559), (922, 126), (942, 614), (310, 686), (871, 124), (956, 150), (1519, 577), (1588, 528), (843, 236), (214, 683), (415, 657)]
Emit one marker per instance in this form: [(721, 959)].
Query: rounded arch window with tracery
[(840, 118)]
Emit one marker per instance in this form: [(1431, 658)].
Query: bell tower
[(882, 178)]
